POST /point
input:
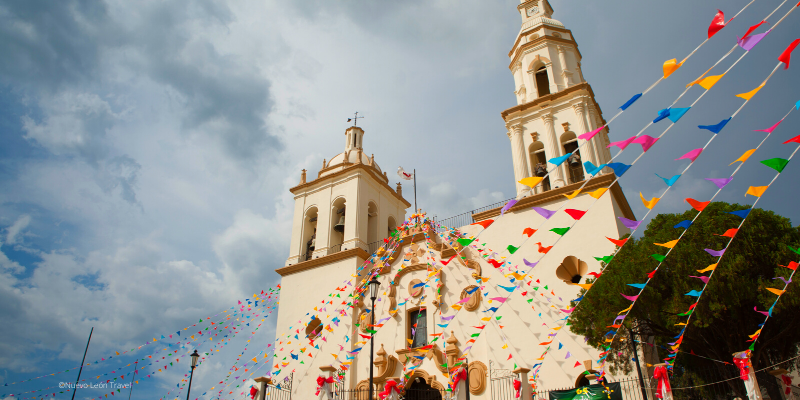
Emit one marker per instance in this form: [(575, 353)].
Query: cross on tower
[(354, 119)]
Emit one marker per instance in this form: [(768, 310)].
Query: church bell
[(339, 227), (575, 160)]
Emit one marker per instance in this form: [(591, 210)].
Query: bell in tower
[(339, 227)]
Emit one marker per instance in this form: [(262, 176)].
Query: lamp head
[(194, 356), (374, 285)]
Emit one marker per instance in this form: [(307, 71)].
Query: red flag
[(752, 28), (575, 214), (485, 224), (698, 205), (786, 55), (795, 139), (792, 265), (577, 363), (729, 233), (509, 357), (528, 231), (448, 260), (618, 242), (717, 23), (543, 249)]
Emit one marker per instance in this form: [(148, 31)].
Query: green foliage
[(724, 317)]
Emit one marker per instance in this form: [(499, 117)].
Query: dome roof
[(352, 157)]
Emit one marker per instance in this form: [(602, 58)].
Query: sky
[(148, 147)]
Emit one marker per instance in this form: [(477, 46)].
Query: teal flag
[(611, 391)]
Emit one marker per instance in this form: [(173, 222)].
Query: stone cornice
[(520, 51), (544, 101), (316, 262), (372, 171), (528, 32), (555, 194)]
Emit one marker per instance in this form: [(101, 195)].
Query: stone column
[(518, 157), (602, 137), (522, 375), (262, 383), (553, 150), (566, 74), (590, 150)]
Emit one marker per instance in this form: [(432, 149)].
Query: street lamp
[(374, 286), (194, 356)]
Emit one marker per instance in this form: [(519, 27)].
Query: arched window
[(392, 226), (417, 327), (338, 219), (542, 81), (309, 241), (539, 163), (372, 223), (575, 162)]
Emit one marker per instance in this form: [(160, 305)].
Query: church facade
[(342, 217)]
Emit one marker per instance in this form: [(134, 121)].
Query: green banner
[(592, 392)]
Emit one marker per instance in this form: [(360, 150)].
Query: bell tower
[(555, 104)]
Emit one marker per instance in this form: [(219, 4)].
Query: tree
[(724, 317)]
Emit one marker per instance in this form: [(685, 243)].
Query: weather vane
[(354, 119)]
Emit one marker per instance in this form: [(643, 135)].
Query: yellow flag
[(680, 323), (486, 319), (651, 203), (531, 181), (669, 245), (755, 334), (505, 346), (597, 193), (455, 307), (744, 156), (625, 310), (709, 268), (670, 66), (255, 360), (710, 81), (696, 81), (756, 190), (776, 291), (749, 95), (572, 196), (556, 328)]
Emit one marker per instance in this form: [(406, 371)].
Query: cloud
[(16, 228)]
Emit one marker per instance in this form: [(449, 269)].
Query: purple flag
[(530, 264), (544, 212), (508, 205), (751, 41), (720, 182), (629, 223), (715, 253)]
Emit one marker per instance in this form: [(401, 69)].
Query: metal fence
[(630, 389), (279, 392), (502, 387), (371, 249), (466, 218), (410, 394)]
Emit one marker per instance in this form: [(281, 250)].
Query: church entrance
[(420, 390)]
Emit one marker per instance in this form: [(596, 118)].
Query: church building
[(344, 213)]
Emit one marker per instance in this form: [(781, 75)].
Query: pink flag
[(692, 155), (622, 144), (631, 298), (589, 135), (646, 141), (770, 129)]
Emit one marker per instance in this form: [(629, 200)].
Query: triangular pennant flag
[(752, 28), (709, 268), (560, 231), (636, 96), (649, 203), (637, 285), (729, 233), (694, 293), (751, 41), (629, 223), (795, 139), (597, 193), (749, 95), (685, 224), (661, 115), (670, 181), (715, 128), (670, 66), (776, 291), (671, 244), (617, 242), (778, 164), (744, 156), (575, 214), (770, 129), (511, 249), (717, 23), (485, 224), (619, 168), (692, 155), (591, 169), (756, 190), (544, 212), (786, 56), (572, 196), (720, 182), (528, 231), (622, 144), (676, 113), (589, 135), (531, 181), (559, 160), (698, 205), (646, 141), (659, 257), (715, 253), (709, 81), (741, 213)]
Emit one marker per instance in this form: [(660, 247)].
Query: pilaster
[(553, 151)]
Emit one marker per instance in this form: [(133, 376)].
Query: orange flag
[(756, 190), (709, 81), (744, 156), (698, 205), (485, 224), (670, 66), (572, 196), (749, 95), (668, 245), (649, 203), (597, 193), (776, 291), (528, 231), (708, 268)]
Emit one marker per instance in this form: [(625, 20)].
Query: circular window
[(313, 329)]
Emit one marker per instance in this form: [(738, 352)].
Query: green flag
[(512, 249), (659, 257), (560, 231), (778, 164), (606, 259), (465, 242)]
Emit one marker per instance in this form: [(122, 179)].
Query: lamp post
[(374, 285), (195, 356)]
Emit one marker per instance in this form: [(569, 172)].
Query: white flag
[(403, 174)]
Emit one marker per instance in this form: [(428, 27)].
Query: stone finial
[(372, 160), (324, 161), (303, 177), (535, 136), (565, 125), (399, 189), (385, 176), (358, 156)]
